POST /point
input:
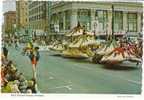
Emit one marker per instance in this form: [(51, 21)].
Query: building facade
[(9, 22), (39, 15), (97, 16), (21, 14)]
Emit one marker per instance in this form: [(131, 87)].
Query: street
[(62, 75)]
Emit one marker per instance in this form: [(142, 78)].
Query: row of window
[(67, 20), (38, 26), (34, 3), (60, 19), (37, 9), (118, 21), (84, 17), (37, 17)]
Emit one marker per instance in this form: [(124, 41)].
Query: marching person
[(34, 57)]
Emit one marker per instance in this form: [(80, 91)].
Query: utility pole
[(113, 37), (49, 15)]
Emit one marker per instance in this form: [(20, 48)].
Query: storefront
[(126, 17), (132, 22), (84, 18), (102, 18)]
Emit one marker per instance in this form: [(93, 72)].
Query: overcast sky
[(9, 5)]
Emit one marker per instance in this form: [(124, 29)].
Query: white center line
[(65, 86)]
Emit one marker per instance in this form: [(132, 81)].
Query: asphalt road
[(62, 75)]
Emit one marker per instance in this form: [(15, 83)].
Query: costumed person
[(28, 48), (34, 58), (29, 45)]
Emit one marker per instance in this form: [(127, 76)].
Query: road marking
[(51, 77), (136, 82), (69, 81), (111, 75), (65, 86)]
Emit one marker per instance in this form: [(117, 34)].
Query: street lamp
[(113, 22)]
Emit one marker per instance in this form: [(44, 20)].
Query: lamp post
[(113, 37)]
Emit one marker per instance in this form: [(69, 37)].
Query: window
[(67, 20), (132, 22), (102, 20), (118, 21), (39, 17), (84, 18), (60, 21), (141, 22)]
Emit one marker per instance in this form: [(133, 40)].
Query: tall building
[(127, 17), (22, 14), (39, 15), (3, 31), (9, 21)]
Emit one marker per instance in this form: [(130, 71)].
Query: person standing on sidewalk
[(5, 51), (16, 44)]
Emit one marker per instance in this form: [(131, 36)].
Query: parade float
[(116, 52), (56, 47), (77, 49), (104, 50), (81, 44), (77, 44), (121, 54)]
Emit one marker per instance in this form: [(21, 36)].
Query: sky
[(9, 5)]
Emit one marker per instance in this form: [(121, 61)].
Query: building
[(39, 15), (97, 16), (3, 28), (22, 14), (9, 21)]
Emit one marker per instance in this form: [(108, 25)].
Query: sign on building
[(56, 28)]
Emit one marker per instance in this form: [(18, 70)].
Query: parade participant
[(16, 44), (27, 49), (34, 57), (29, 45)]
